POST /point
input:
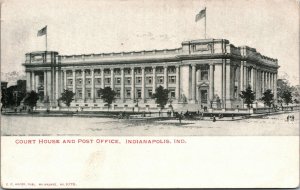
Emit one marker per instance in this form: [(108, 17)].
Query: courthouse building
[(206, 72)]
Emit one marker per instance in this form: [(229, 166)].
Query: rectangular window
[(107, 80), (88, 93), (117, 72), (97, 72), (149, 80), (87, 72), (107, 72), (128, 93), (172, 94), (118, 80), (127, 71), (88, 81), (171, 70), (138, 80), (78, 81), (149, 94), (172, 79), (69, 81), (160, 70), (139, 93), (79, 93), (138, 71), (98, 81), (204, 75), (118, 93), (98, 93), (148, 70), (128, 80), (78, 73), (69, 73), (160, 79)]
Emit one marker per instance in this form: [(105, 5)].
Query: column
[(102, 78), (224, 81), (92, 85), (245, 77), (252, 79), (36, 83), (242, 76), (132, 83), (275, 86), (112, 78), (228, 81), (83, 84), (143, 84), (154, 79), (45, 85), (56, 85), (193, 83), (211, 82), (33, 81), (74, 80), (177, 92), (28, 81), (122, 85), (65, 79), (262, 82), (166, 77)]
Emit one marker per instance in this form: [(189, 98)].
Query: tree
[(248, 96), (268, 97), (67, 97), (287, 97), (161, 96), (108, 95), (31, 99)]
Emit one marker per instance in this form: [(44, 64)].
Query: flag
[(42, 31), (200, 15)]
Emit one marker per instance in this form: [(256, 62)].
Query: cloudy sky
[(96, 26)]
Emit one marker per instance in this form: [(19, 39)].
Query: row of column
[(122, 84)]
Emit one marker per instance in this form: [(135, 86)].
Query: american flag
[(201, 14)]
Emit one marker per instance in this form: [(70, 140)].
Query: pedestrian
[(214, 119), (288, 117), (232, 117)]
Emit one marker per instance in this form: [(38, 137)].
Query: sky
[(98, 26)]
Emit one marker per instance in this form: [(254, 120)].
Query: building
[(207, 72)]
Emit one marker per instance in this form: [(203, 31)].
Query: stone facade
[(207, 72)]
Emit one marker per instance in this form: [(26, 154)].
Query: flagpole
[(205, 24), (46, 39)]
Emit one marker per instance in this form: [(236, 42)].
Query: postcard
[(149, 94)]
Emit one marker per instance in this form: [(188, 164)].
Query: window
[(117, 71), (149, 80), (160, 70), (78, 93), (118, 93), (118, 80), (139, 93), (171, 70), (203, 96), (148, 70), (138, 80), (78, 73), (98, 81), (107, 80), (160, 80), (87, 72), (128, 80), (138, 71), (69, 73), (98, 93), (69, 81), (172, 79), (128, 93), (88, 81), (149, 94), (97, 72), (88, 93), (172, 93), (204, 75), (235, 92), (107, 72), (127, 71), (78, 81)]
